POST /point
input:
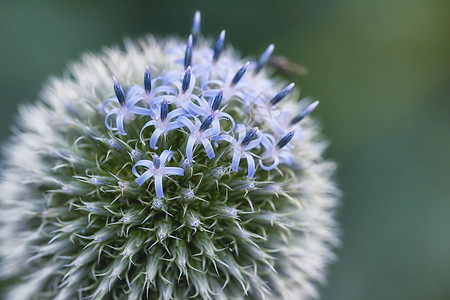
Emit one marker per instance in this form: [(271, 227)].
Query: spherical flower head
[(191, 174)]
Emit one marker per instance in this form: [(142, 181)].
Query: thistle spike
[(188, 53), (219, 46), (278, 97), (239, 74), (264, 58), (305, 112), (119, 92)]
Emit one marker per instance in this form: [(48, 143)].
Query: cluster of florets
[(200, 179), (198, 102)]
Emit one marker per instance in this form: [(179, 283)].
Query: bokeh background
[(381, 70)]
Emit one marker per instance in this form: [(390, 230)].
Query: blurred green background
[(381, 70)]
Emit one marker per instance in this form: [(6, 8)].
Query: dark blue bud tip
[(305, 112), (264, 58), (196, 28), (249, 137), (188, 53), (156, 161), (147, 81), (164, 109), (217, 99), (186, 80), (205, 125), (219, 46), (119, 92), (285, 139), (278, 97), (239, 74)]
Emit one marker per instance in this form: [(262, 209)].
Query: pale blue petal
[(105, 104), (155, 136), (107, 117), (274, 164), (144, 177), (144, 163), (175, 113), (173, 171), (253, 144), (164, 89), (208, 148), (268, 141), (212, 82), (159, 99), (132, 101), (227, 116), (186, 122), (197, 122), (205, 104), (149, 123), (287, 158), (159, 186), (215, 127), (165, 156), (209, 132), (135, 90), (190, 147), (250, 165), (235, 161), (173, 125), (141, 111), (241, 131), (226, 137), (211, 92), (197, 110), (119, 124)]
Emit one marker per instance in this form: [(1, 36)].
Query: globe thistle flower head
[(190, 174)]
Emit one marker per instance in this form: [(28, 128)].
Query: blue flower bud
[(188, 53), (219, 46), (119, 92), (278, 97)]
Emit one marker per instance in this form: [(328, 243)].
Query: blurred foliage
[(381, 70)]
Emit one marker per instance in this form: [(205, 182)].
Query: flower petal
[(208, 148), (144, 163), (241, 131), (190, 147), (149, 123), (175, 113), (275, 163), (186, 122), (159, 186), (173, 171), (141, 111), (154, 138), (235, 161), (119, 123), (113, 112), (144, 177), (165, 156), (173, 125), (250, 165)]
